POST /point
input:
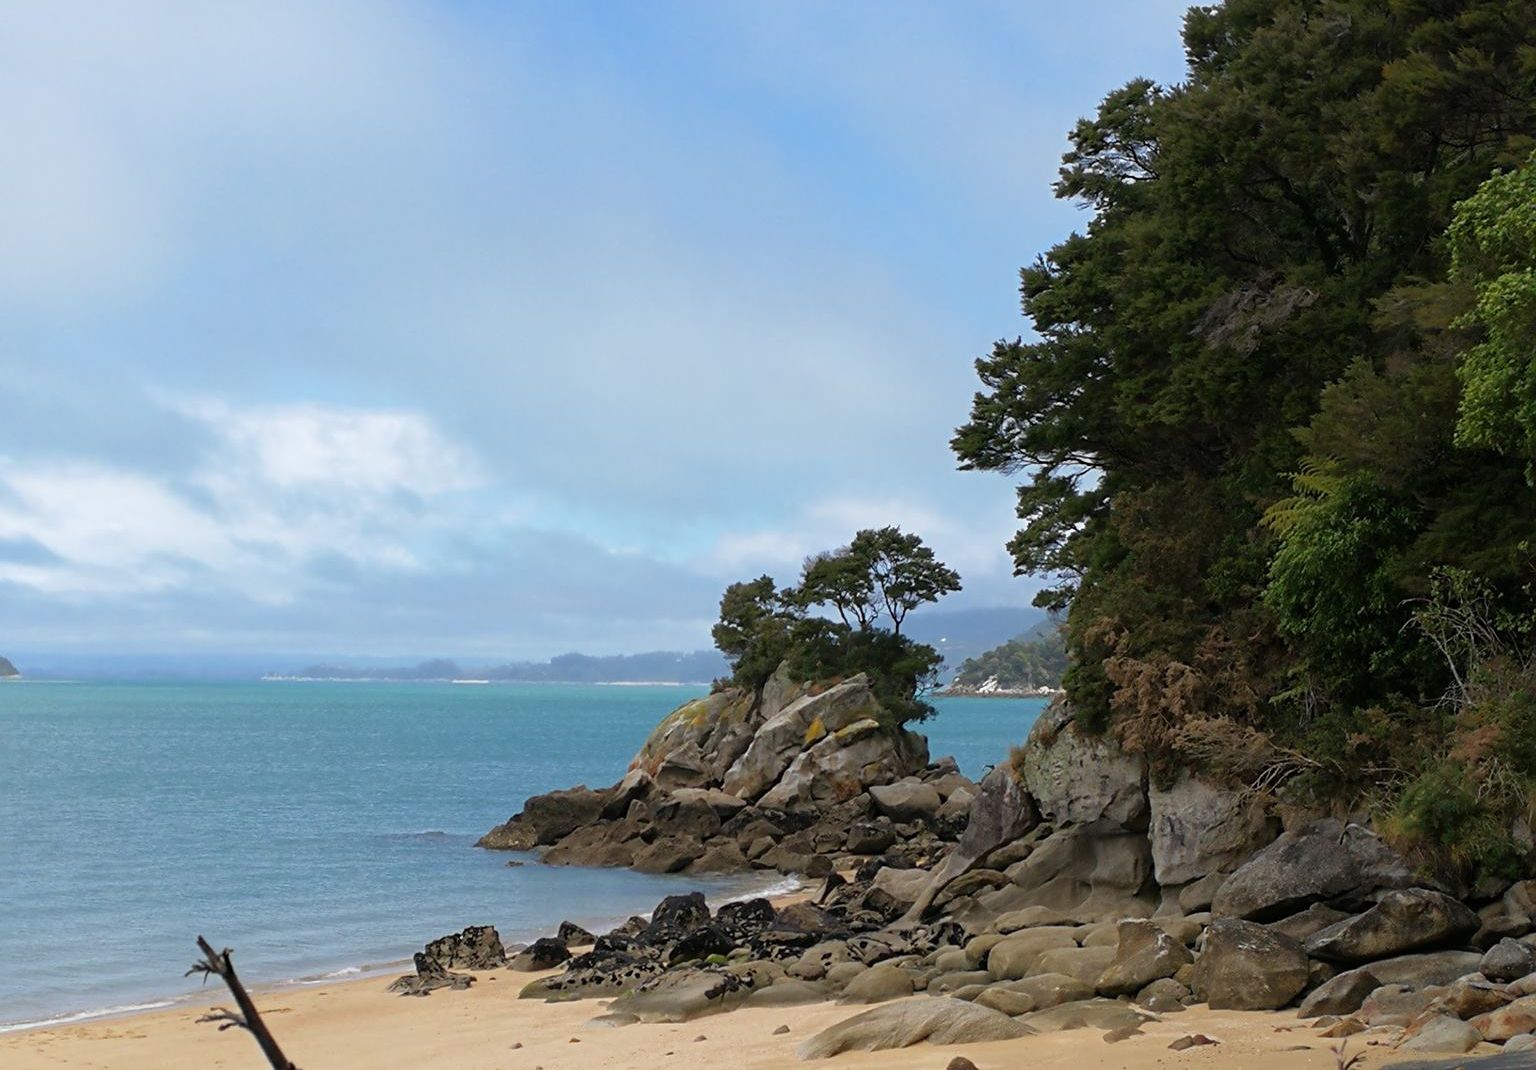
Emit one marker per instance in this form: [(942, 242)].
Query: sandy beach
[(357, 1025)]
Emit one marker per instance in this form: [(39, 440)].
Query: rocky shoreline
[(1069, 889)]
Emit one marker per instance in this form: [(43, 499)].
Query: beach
[(357, 1025)]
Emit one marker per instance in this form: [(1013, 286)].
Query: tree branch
[(218, 964)]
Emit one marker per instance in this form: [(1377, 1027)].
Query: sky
[(503, 329)]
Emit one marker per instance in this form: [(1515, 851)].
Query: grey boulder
[(1247, 967), (1401, 921), (900, 1025)]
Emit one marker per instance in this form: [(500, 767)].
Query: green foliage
[(1025, 663), (1493, 250), (880, 572), (1282, 384)]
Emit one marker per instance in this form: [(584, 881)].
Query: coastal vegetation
[(1027, 663), (832, 624), (1277, 419)]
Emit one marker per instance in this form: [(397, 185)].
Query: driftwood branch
[(218, 964)]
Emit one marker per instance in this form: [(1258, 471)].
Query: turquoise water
[(319, 829)]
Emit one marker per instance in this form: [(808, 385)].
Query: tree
[(879, 572), (902, 572), (1282, 381)]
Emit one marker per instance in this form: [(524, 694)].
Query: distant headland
[(7, 670)]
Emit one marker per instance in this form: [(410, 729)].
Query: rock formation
[(799, 778), (1081, 891)]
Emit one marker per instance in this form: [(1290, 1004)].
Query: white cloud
[(278, 488), (972, 544)]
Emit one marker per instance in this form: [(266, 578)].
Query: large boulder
[(696, 743), (907, 800), (1401, 921), (782, 737), (899, 1025), (1076, 778), (1096, 872), (1325, 861), (1247, 967), (547, 818), (1001, 813), (1145, 954), (843, 763), (476, 948), (1198, 828)]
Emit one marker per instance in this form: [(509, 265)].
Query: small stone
[(700, 1037), (960, 1062), (1192, 1040), (1125, 1032), (781, 1030), (1344, 1027)]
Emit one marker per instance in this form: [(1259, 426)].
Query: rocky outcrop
[(734, 781), (1247, 967), (937, 1021), (1198, 829), (1079, 779)]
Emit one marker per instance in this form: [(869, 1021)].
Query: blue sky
[(502, 328)]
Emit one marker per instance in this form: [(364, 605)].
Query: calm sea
[(319, 829)]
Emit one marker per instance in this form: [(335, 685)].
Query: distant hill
[(967, 633), (662, 667), (7, 669), (1034, 660)]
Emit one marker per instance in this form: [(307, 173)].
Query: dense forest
[(1276, 420)]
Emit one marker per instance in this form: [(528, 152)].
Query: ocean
[(322, 830)]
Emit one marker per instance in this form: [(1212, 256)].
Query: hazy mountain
[(7, 669)]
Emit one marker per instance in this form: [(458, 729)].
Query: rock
[(878, 984), (542, 954), (1191, 1040), (1396, 1005), (1322, 861), (1508, 960), (683, 996), (1095, 872), (1198, 829), (1506, 1022), (691, 816), (696, 743), (1002, 813), (1401, 921), (1245, 966), (669, 855), (1424, 968), (1053, 989), (1467, 997), (870, 838), (476, 948), (953, 982), (1078, 779), (1008, 1000), (1523, 1042), (844, 972), (906, 800), (1443, 1033), (1030, 918), (1340, 995), (1302, 925), (903, 885), (788, 994), (610, 1021), (899, 1025), (1146, 953), (1164, 996), (780, 739), (590, 846), (548, 818), (1106, 1014), (721, 858), (1014, 956), (428, 978), (977, 880), (572, 935), (844, 763), (960, 1062), (1086, 964), (1344, 1027)]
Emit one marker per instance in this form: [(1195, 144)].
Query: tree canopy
[(882, 573), (1276, 418)]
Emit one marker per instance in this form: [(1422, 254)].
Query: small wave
[(780, 887), (424, 836), (86, 1016)]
